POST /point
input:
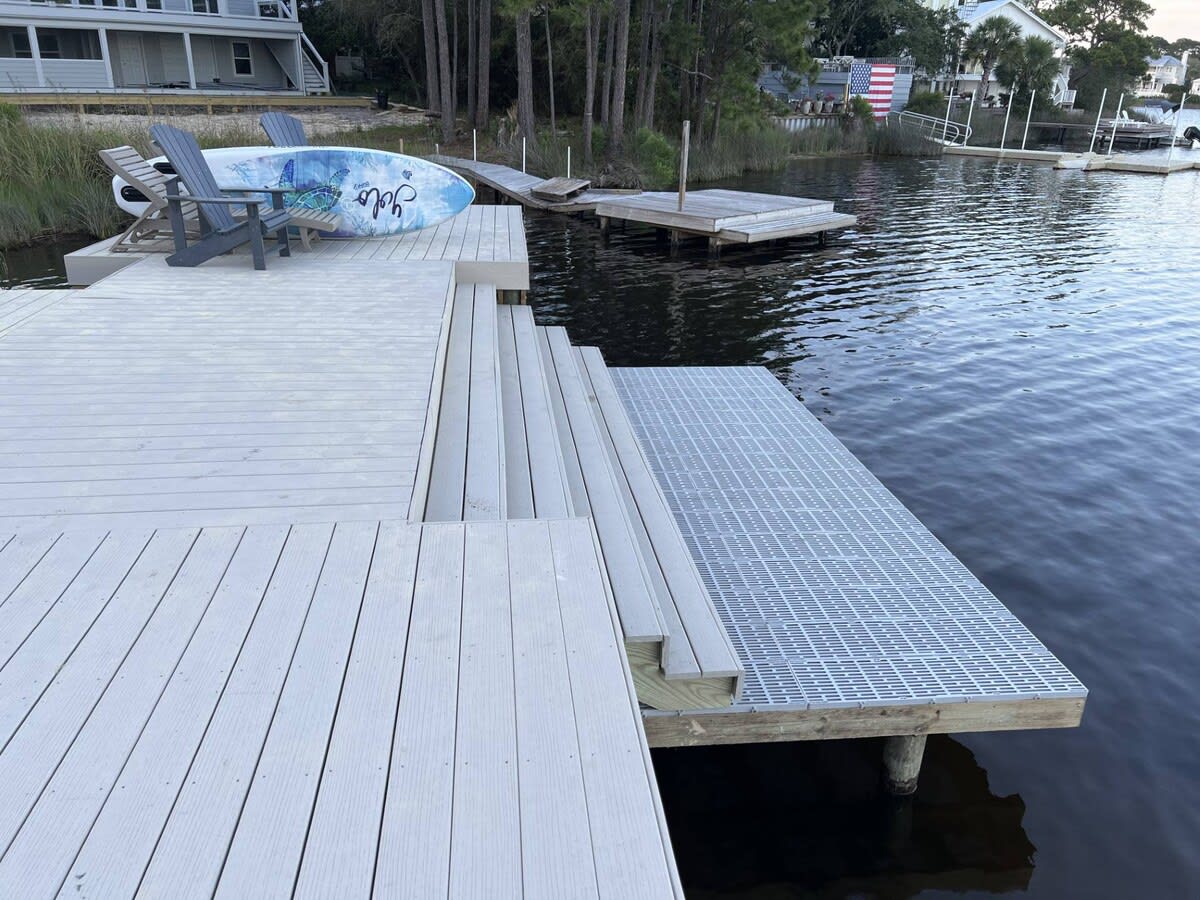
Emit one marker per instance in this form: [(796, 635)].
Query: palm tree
[(990, 41), (1029, 66)]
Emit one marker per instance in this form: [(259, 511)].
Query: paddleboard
[(375, 192)]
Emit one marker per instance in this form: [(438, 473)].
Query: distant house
[(1030, 23), (832, 79), (157, 46), (1161, 72)]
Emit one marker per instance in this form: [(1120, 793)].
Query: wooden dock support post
[(603, 226), (475, 144), (522, 155), (902, 755), (714, 247), (568, 160), (683, 166)]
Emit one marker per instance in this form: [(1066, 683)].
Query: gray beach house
[(157, 46)]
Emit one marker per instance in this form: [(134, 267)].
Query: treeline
[(618, 64)]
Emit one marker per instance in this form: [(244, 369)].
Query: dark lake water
[(1015, 352)]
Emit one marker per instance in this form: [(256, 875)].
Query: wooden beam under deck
[(741, 726)]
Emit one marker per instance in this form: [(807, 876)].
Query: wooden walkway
[(485, 243), (519, 186), (345, 710)]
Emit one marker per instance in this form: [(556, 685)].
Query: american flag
[(876, 82)]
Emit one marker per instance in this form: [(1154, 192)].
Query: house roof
[(988, 8), (1164, 61)]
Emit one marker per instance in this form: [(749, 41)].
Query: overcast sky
[(1175, 19)]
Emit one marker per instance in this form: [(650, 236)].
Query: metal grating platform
[(833, 593)]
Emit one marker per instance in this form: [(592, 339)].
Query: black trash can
[(381, 99)]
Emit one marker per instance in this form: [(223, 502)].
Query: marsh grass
[(54, 183)]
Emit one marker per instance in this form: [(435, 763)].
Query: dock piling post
[(970, 109), (1028, 119), (568, 161), (1099, 113), (604, 226), (902, 755), (522, 155), (714, 247), (1004, 134), (1113, 137), (437, 149), (683, 166), (475, 144)]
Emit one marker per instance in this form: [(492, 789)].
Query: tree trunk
[(983, 83), (483, 69), (616, 116), (550, 73), (472, 59), (525, 120), (591, 42), (432, 94), (447, 85), (649, 11), (656, 61), (606, 88)]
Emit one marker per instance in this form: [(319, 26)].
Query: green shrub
[(929, 103), (654, 157)]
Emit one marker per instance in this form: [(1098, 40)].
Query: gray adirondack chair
[(220, 231), (129, 165), (283, 130)]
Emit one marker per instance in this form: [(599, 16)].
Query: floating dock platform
[(724, 216), (1088, 162), (721, 216), (385, 589)]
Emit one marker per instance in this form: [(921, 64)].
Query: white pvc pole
[(1175, 129), (1112, 138), (1004, 135), (1028, 119), (474, 145), (522, 156), (437, 149), (1099, 113), (568, 161), (970, 109), (946, 122)]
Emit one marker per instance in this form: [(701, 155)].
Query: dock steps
[(559, 189), (530, 427)]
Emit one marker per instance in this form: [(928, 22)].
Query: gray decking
[(354, 710), (836, 597), (485, 243), (210, 396)]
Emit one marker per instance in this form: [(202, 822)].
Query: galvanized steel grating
[(832, 592)]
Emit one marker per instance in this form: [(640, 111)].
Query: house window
[(48, 43), (154, 5), (21, 48), (208, 7), (242, 64)]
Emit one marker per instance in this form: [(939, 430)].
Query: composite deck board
[(484, 494), (363, 709), (518, 482), (641, 616), (222, 359), (699, 620), (448, 470), (551, 497)]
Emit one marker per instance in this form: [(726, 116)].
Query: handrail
[(315, 57), (937, 128)]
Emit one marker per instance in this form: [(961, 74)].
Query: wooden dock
[(726, 217), (721, 216), (344, 578)]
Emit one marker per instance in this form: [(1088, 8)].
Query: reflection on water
[(776, 819), (38, 267), (1015, 351)]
